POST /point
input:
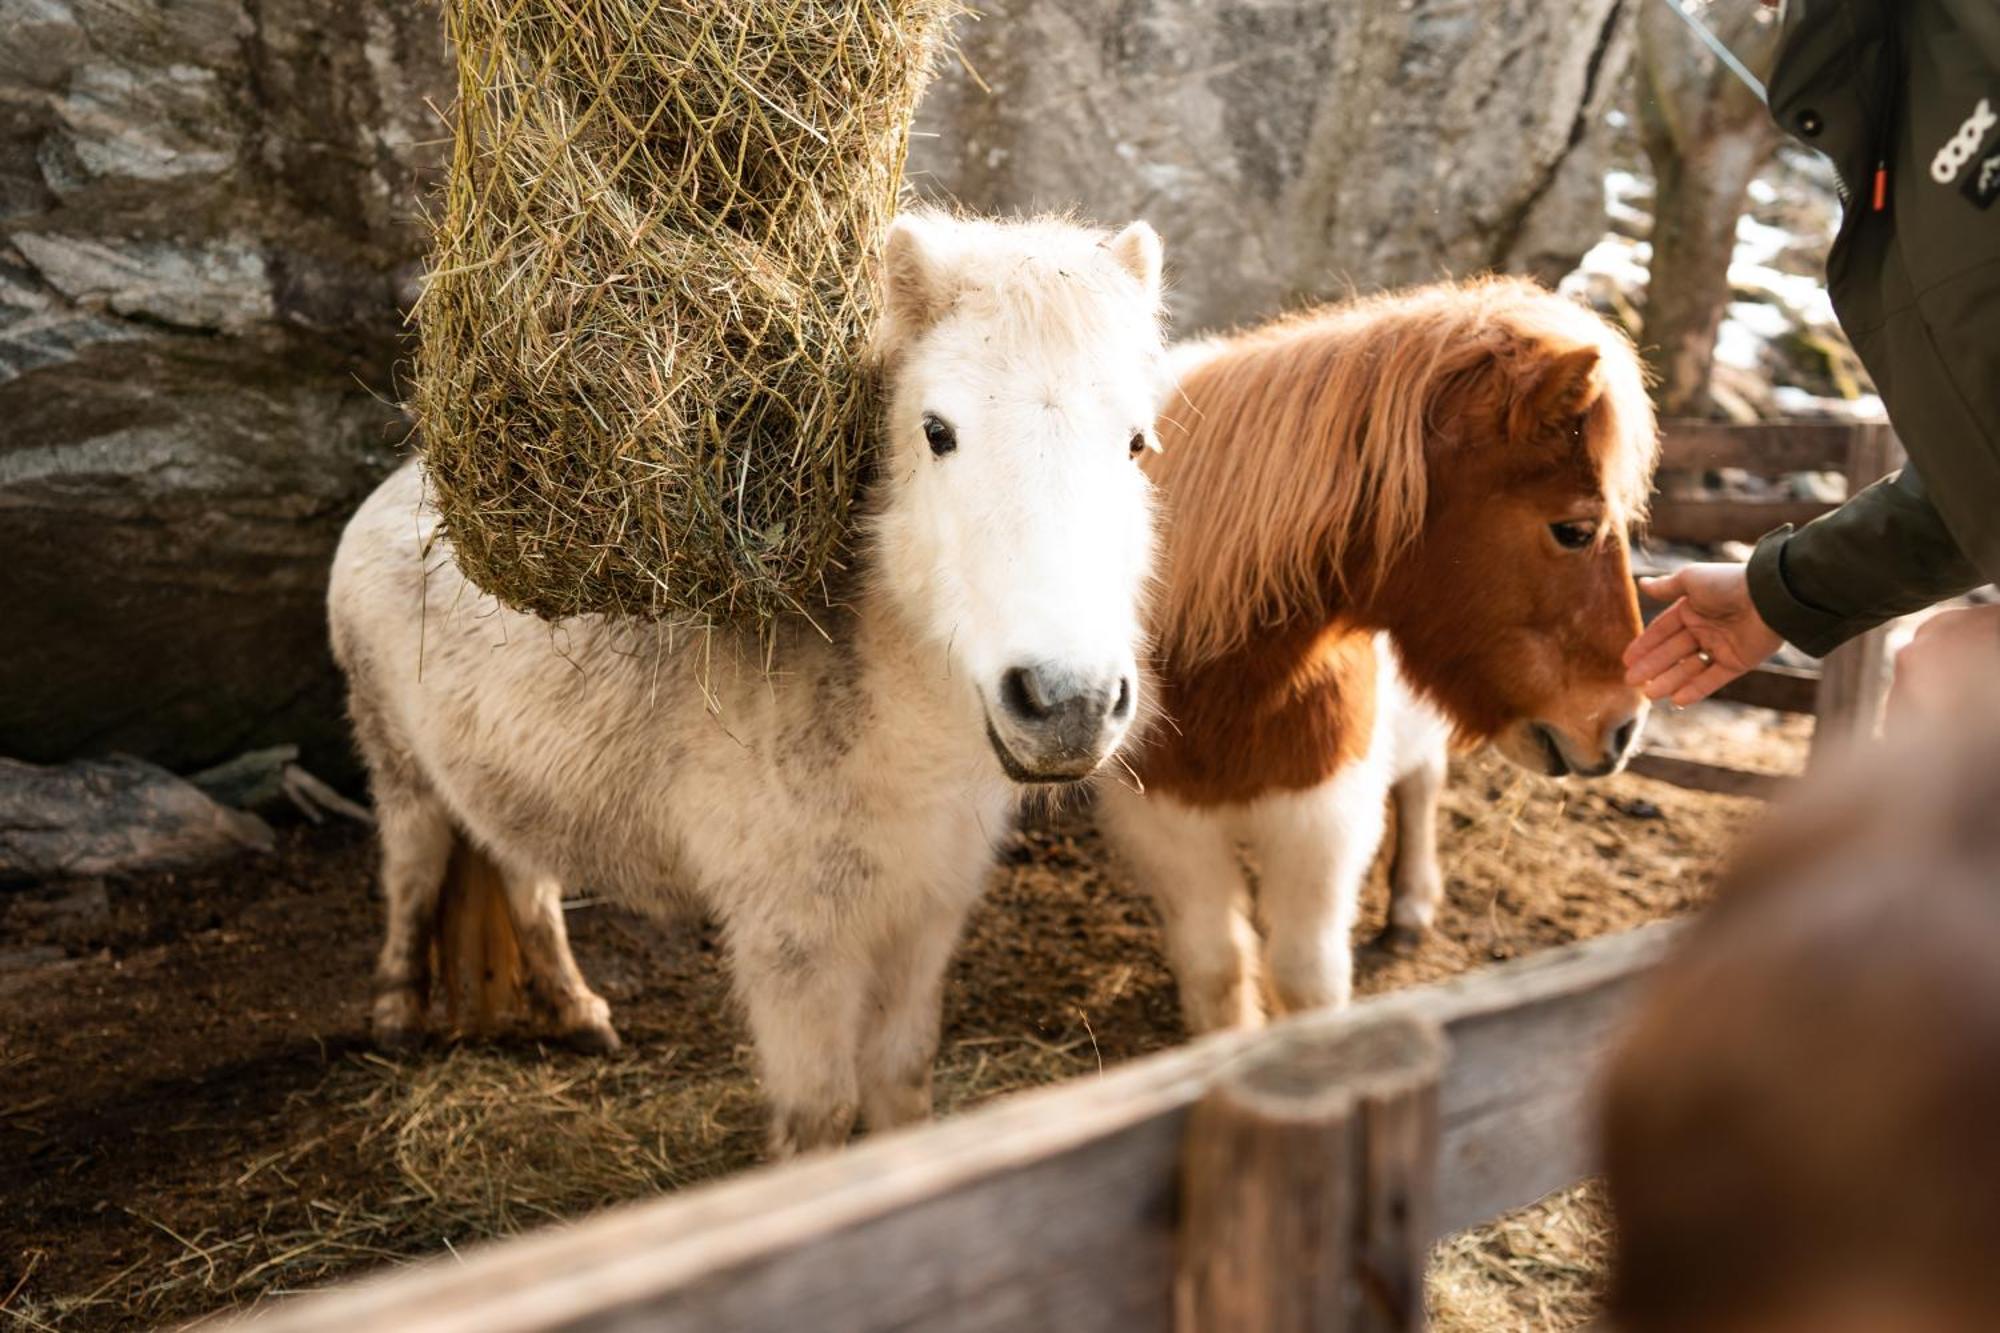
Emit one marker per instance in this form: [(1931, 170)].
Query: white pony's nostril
[(1025, 693), (1123, 708)]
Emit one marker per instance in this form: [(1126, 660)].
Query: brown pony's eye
[(1574, 536)]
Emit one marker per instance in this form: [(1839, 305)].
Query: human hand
[(1709, 636)]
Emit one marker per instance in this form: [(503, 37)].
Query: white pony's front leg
[(900, 1044), (1184, 859), (805, 997), (1313, 850)]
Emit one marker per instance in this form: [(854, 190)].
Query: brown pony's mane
[(1301, 446)]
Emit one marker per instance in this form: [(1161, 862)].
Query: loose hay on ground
[(1540, 1269), (639, 382), (178, 1062)]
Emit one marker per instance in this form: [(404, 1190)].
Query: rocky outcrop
[(1291, 149), (208, 232), (116, 816)]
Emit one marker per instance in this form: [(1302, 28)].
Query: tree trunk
[(1290, 149), (1707, 137)]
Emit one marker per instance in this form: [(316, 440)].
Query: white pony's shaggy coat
[(837, 815)]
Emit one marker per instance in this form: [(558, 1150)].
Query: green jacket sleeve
[(1883, 554)]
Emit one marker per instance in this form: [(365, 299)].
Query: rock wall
[(207, 233), (1291, 149)]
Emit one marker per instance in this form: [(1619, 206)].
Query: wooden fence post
[(1308, 1186), (1854, 680)]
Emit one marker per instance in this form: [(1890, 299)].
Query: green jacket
[(1912, 86)]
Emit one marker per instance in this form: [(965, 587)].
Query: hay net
[(640, 382)]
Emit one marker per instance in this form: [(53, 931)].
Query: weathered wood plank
[(1700, 775), (1396, 1192), (1786, 689), (1306, 1187), (1766, 448), (1051, 1209), (1706, 522), (1854, 681)]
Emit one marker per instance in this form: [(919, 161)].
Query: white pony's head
[(1012, 524)]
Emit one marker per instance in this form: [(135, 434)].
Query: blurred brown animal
[(1802, 1130)]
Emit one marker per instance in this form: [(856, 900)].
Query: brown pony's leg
[(1184, 859), (1416, 882), (1313, 849)]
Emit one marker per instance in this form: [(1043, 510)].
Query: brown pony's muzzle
[(1591, 741)]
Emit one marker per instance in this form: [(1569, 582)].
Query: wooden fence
[(1845, 695), (1274, 1180)]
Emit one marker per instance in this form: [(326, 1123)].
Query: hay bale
[(639, 380)]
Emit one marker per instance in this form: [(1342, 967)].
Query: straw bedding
[(640, 376)]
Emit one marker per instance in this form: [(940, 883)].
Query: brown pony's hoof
[(593, 1040), (1398, 941)]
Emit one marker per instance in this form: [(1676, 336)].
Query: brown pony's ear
[(1565, 387)]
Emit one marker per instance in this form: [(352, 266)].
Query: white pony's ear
[(913, 288), (1137, 250)]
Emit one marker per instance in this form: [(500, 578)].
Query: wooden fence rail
[(1105, 1204)]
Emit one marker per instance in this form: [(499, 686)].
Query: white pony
[(838, 812)]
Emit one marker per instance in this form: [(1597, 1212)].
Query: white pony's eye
[(1142, 441), (939, 434)]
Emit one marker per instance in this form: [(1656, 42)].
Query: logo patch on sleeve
[(1963, 145), (1982, 181)]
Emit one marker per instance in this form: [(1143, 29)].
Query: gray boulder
[(116, 816), (1291, 149), (208, 233)]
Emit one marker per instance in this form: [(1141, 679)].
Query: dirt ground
[(191, 1119)]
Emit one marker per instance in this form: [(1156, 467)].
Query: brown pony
[(1414, 501)]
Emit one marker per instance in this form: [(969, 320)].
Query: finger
[(1664, 588), (1674, 677), (1708, 682), (1658, 659), (1668, 623)]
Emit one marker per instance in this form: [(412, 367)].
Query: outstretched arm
[(1883, 554)]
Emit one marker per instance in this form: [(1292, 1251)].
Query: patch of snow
[(1736, 344), (1794, 401), (1759, 244)]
